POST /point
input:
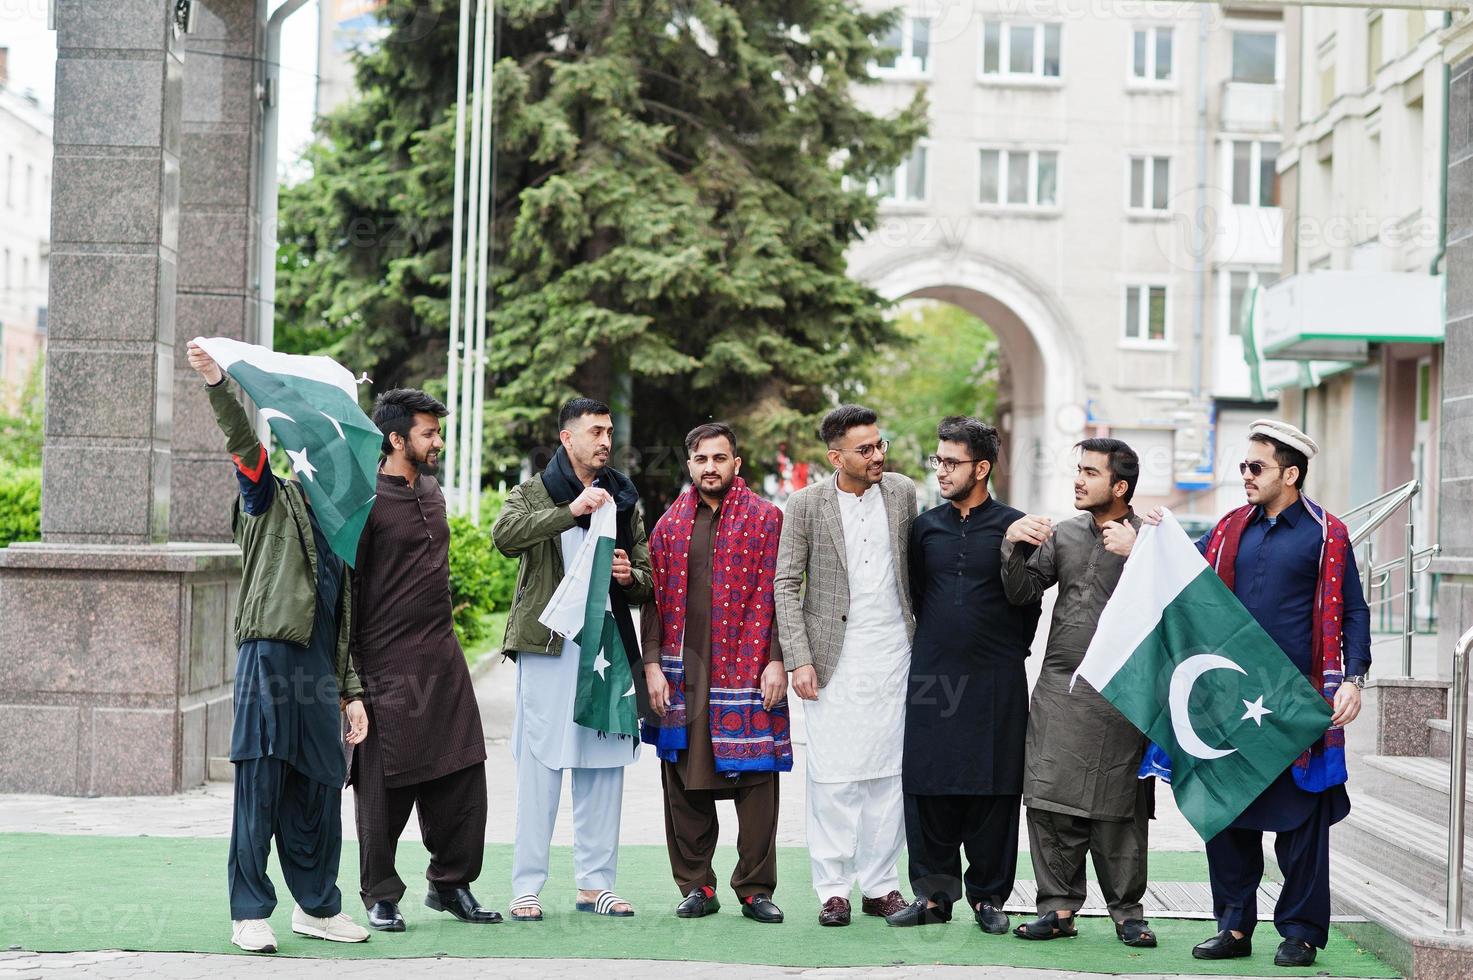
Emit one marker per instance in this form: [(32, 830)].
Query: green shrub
[(482, 579), (20, 503)]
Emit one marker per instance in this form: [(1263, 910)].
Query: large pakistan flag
[(1178, 655)]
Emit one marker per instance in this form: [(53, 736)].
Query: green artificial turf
[(66, 893)]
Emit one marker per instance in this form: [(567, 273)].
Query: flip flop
[(603, 904), (525, 902)]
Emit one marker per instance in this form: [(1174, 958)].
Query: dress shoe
[(385, 917), (917, 913), (1294, 952), (462, 904), (1223, 947), (835, 912), (698, 903), (760, 908), (992, 920), (884, 906)]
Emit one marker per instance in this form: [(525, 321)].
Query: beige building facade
[(25, 247)]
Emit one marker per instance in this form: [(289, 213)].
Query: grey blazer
[(810, 621)]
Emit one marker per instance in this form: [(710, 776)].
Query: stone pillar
[(118, 679)]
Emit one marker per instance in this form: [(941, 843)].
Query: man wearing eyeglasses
[(967, 705), (844, 619), (1289, 562)]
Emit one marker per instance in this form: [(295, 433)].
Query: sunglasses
[(1255, 467)]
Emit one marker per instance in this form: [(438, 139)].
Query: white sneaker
[(337, 928), (253, 935)]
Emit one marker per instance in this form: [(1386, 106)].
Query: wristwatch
[(1359, 680)]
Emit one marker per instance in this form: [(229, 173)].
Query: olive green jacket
[(530, 527), (278, 587)]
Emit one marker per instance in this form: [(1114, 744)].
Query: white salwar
[(856, 728), (545, 741)]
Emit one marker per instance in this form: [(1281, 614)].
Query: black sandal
[(1047, 926), (1137, 933)]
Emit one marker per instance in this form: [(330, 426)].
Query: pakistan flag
[(311, 404), (580, 611), (1178, 655)]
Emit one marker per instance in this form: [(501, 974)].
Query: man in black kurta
[(426, 748), (966, 713)]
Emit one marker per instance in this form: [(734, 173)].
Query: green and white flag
[(1178, 655), (580, 611), (311, 404)]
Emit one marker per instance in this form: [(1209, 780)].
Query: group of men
[(904, 636)]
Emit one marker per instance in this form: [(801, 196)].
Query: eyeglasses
[(1255, 467), (946, 465), (866, 451)]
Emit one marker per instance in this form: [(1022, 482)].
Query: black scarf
[(563, 486)]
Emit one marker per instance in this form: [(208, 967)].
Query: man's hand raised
[(1030, 530), (204, 364), (589, 501)]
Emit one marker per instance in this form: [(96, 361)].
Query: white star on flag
[(300, 463), (1256, 711), (599, 664), (335, 424)]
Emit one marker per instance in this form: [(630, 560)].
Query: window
[(1326, 63), (1019, 178), (1145, 314), (1241, 282), (906, 49), (1021, 50), (1374, 20), (1150, 183), (1416, 27), (1255, 57), (1253, 173), (1150, 56), (25, 272), (907, 185), (30, 180)]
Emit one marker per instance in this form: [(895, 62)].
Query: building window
[(30, 181), (907, 185), (1145, 314), (1374, 45), (1150, 183), (1326, 65), (1253, 173), (1151, 55), (1241, 282), (906, 48), (1255, 57), (1021, 50), (1018, 178)]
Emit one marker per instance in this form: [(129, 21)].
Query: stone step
[(1401, 926), (1404, 847), (1415, 783), (1440, 735)]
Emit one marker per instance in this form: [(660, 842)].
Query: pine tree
[(676, 184)]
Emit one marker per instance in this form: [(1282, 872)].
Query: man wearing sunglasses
[(843, 615), (1289, 562)]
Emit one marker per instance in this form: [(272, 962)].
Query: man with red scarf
[(1289, 562), (716, 678)]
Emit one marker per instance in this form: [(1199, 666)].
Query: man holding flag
[(1279, 765), (580, 691), (292, 674)]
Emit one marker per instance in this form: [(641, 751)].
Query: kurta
[(421, 703), (547, 688), (856, 726), (697, 763), (1082, 755), (967, 708)]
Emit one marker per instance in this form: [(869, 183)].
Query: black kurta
[(421, 705), (966, 715)]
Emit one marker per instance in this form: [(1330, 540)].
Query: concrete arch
[(1048, 399)]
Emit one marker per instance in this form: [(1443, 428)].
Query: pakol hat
[(1289, 435)]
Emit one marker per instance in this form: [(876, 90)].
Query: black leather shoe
[(1294, 952), (385, 917), (918, 914), (1223, 947), (696, 905), (992, 920), (759, 908), (461, 904)]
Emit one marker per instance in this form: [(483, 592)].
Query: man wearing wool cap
[(1289, 562)]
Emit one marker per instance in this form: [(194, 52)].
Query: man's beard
[(958, 490), (721, 490), (422, 465)]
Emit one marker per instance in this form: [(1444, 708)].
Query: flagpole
[(467, 363), (452, 379), (478, 396)]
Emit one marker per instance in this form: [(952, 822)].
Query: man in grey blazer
[(844, 618)]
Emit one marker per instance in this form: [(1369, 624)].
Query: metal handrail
[(1457, 785), (1393, 499)]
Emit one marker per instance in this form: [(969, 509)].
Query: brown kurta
[(422, 708)]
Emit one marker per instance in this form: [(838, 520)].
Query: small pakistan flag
[(311, 404), (1178, 655), (580, 611)]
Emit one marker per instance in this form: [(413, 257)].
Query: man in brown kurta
[(426, 749), (692, 783)]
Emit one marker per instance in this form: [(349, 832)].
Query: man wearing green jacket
[(292, 679)]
